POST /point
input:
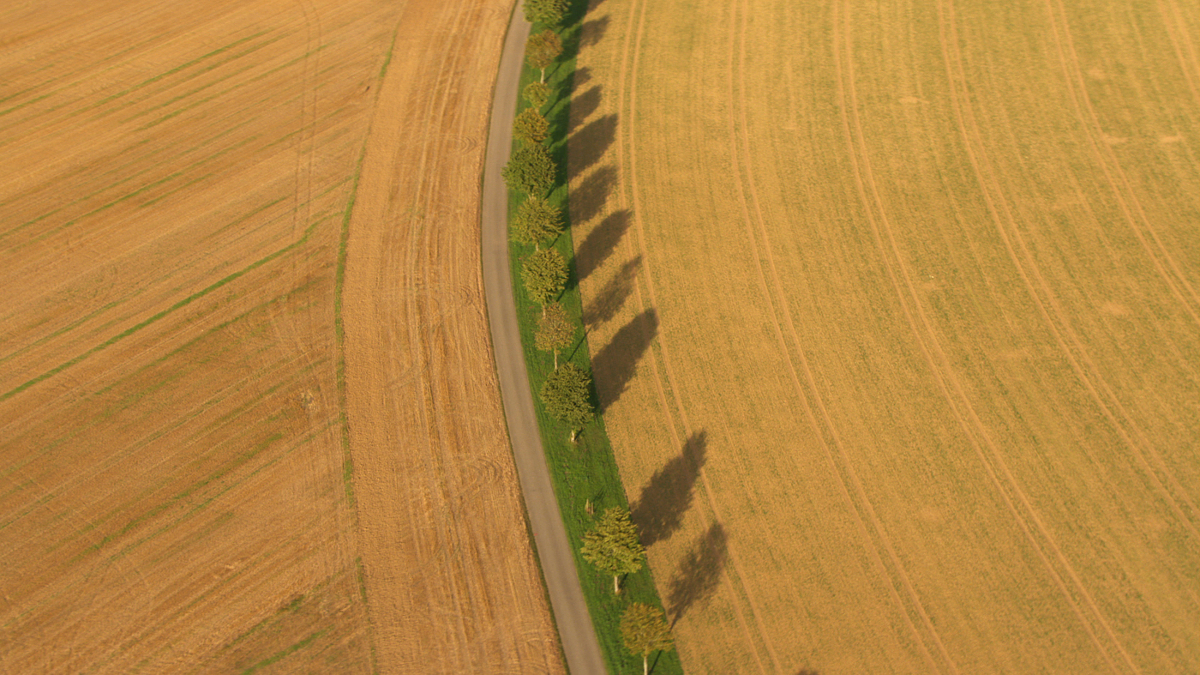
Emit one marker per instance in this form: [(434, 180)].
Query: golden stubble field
[(895, 316), (181, 347)]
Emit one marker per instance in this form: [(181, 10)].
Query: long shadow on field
[(658, 512), (698, 575), (590, 143), (582, 106), (582, 76), (603, 307), (593, 191), (615, 364), (592, 31), (600, 242)]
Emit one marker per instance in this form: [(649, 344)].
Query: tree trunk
[(556, 360), (543, 80), (645, 664), (574, 433), (616, 588)]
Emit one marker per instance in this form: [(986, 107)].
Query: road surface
[(558, 565)]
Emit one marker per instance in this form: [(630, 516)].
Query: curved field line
[(627, 79), (1075, 352), (943, 374), (846, 465), (1181, 41), (1078, 91), (948, 36), (420, 258), (1121, 188), (777, 303)]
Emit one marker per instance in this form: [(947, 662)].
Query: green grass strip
[(584, 473), (339, 326), (285, 653)]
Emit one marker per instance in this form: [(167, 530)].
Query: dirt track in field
[(921, 411), (175, 484)]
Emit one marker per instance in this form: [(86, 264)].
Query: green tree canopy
[(644, 629), (548, 12), (613, 546), (541, 50), (530, 126), (555, 331), (531, 170), (566, 393), (545, 275), (537, 93), (536, 221)]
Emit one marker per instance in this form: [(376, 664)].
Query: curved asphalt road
[(558, 565)]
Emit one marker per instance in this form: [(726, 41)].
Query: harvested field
[(443, 487), (176, 483), (894, 314)]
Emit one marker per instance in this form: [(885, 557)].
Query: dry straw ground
[(175, 493), (896, 319)]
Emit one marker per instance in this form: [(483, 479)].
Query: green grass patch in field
[(585, 473)]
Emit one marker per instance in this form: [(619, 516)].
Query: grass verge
[(584, 473)]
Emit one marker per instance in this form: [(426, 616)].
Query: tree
[(530, 170), (613, 544), (541, 50), (548, 12), (544, 275), (645, 630), (566, 393), (537, 93), (555, 331), (530, 126), (536, 220)]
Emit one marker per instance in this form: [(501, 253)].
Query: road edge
[(553, 549)]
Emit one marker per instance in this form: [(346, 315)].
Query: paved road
[(566, 596)]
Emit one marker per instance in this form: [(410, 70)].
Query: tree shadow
[(807, 671), (590, 143), (610, 299), (582, 76), (592, 31), (698, 575), (593, 191), (582, 106), (600, 242), (614, 365), (658, 511)]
